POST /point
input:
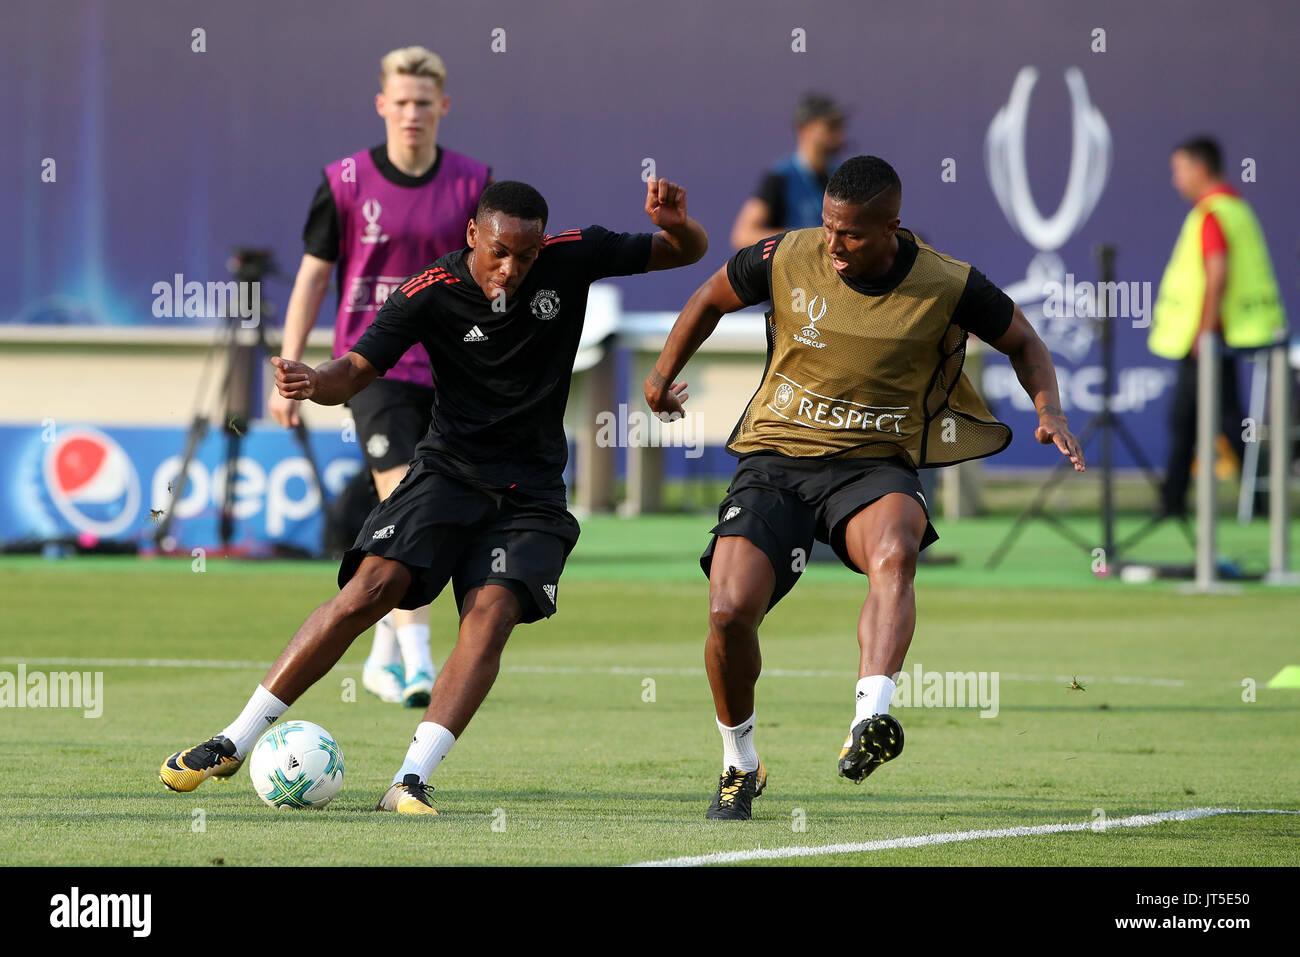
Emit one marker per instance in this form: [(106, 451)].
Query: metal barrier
[(1277, 433)]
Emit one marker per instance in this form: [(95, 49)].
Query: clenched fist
[(294, 380), (665, 203)]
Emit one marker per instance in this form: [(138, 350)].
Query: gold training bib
[(862, 376)]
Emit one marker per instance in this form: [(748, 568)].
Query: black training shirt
[(502, 377)]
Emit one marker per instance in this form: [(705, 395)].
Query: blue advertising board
[(94, 484)]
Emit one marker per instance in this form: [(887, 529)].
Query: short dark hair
[(861, 178), (514, 199), (816, 106), (1205, 150)]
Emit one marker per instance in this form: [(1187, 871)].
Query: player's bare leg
[(488, 615), (375, 588), (740, 586), (883, 540), (399, 668), (741, 581)]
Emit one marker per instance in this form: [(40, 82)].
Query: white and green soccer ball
[(296, 764)]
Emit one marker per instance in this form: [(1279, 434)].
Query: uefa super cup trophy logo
[(374, 233), (810, 330), (1090, 156)]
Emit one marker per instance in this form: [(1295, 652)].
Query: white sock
[(414, 642), (873, 696), (738, 745), (385, 651), (262, 711), (429, 746)]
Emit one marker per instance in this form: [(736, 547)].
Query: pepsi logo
[(92, 482)]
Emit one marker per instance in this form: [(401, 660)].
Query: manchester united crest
[(546, 304)]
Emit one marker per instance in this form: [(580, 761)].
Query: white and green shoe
[(417, 690), (387, 682)]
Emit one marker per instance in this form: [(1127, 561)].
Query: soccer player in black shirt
[(863, 385), (378, 216), (483, 503)]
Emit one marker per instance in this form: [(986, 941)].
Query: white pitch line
[(614, 670), (949, 837), (134, 662)]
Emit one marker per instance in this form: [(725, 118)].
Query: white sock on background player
[(414, 642), (738, 745), (429, 746), (385, 650), (874, 693), (262, 711)]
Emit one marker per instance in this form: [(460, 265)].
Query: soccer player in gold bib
[(866, 337)]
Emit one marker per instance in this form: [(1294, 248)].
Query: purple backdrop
[(165, 157)]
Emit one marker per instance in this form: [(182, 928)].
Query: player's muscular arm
[(1032, 361), (330, 383), (309, 290), (680, 241), (698, 319)]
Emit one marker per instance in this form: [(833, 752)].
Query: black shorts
[(442, 527), (391, 417), (781, 504)]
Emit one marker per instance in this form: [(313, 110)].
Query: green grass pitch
[(568, 763)]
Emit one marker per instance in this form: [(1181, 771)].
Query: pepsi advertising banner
[(95, 484)]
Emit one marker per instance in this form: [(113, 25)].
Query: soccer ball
[(296, 764)]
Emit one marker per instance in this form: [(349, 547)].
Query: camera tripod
[(1107, 425), (235, 399)]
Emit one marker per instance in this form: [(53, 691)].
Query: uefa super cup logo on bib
[(374, 233), (809, 335), (92, 482), (810, 330)]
